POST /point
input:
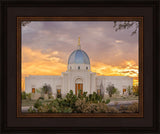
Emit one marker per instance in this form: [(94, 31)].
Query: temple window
[(124, 90), (58, 93), (98, 91), (33, 90)]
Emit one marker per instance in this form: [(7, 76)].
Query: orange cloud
[(127, 68), (36, 63)]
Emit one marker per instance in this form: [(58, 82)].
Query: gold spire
[(79, 41), (79, 45)]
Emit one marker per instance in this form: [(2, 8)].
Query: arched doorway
[(78, 86)]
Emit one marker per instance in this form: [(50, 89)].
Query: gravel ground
[(118, 103), (122, 102)]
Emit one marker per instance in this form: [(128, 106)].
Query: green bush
[(95, 98), (136, 93), (46, 89), (111, 90), (41, 98), (75, 104), (23, 94), (30, 110), (135, 90), (28, 96), (59, 96), (70, 100), (107, 101), (50, 95), (38, 103), (129, 90)]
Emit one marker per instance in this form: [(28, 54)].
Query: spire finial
[(79, 45)]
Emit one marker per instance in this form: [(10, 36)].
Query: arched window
[(86, 68), (78, 67)]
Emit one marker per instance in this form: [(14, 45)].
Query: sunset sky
[(46, 46)]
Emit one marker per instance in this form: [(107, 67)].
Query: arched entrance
[(78, 86)]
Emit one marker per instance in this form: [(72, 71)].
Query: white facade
[(78, 74)]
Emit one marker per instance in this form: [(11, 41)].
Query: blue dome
[(78, 57)]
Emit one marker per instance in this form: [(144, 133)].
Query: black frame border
[(4, 4)]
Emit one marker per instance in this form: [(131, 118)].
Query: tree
[(129, 90), (23, 95), (126, 25), (111, 90), (46, 89), (24, 23), (136, 90)]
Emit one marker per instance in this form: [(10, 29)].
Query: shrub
[(89, 107), (133, 107), (111, 90), (102, 108), (95, 98), (50, 95), (71, 99), (112, 110), (30, 110), (129, 90), (56, 106), (28, 96), (38, 103), (123, 108), (67, 110), (38, 91), (136, 90), (41, 98), (23, 94), (75, 104), (80, 104), (107, 101), (46, 89), (59, 96)]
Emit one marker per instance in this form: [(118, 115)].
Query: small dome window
[(86, 68), (78, 67)]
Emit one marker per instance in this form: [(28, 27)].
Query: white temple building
[(77, 77)]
